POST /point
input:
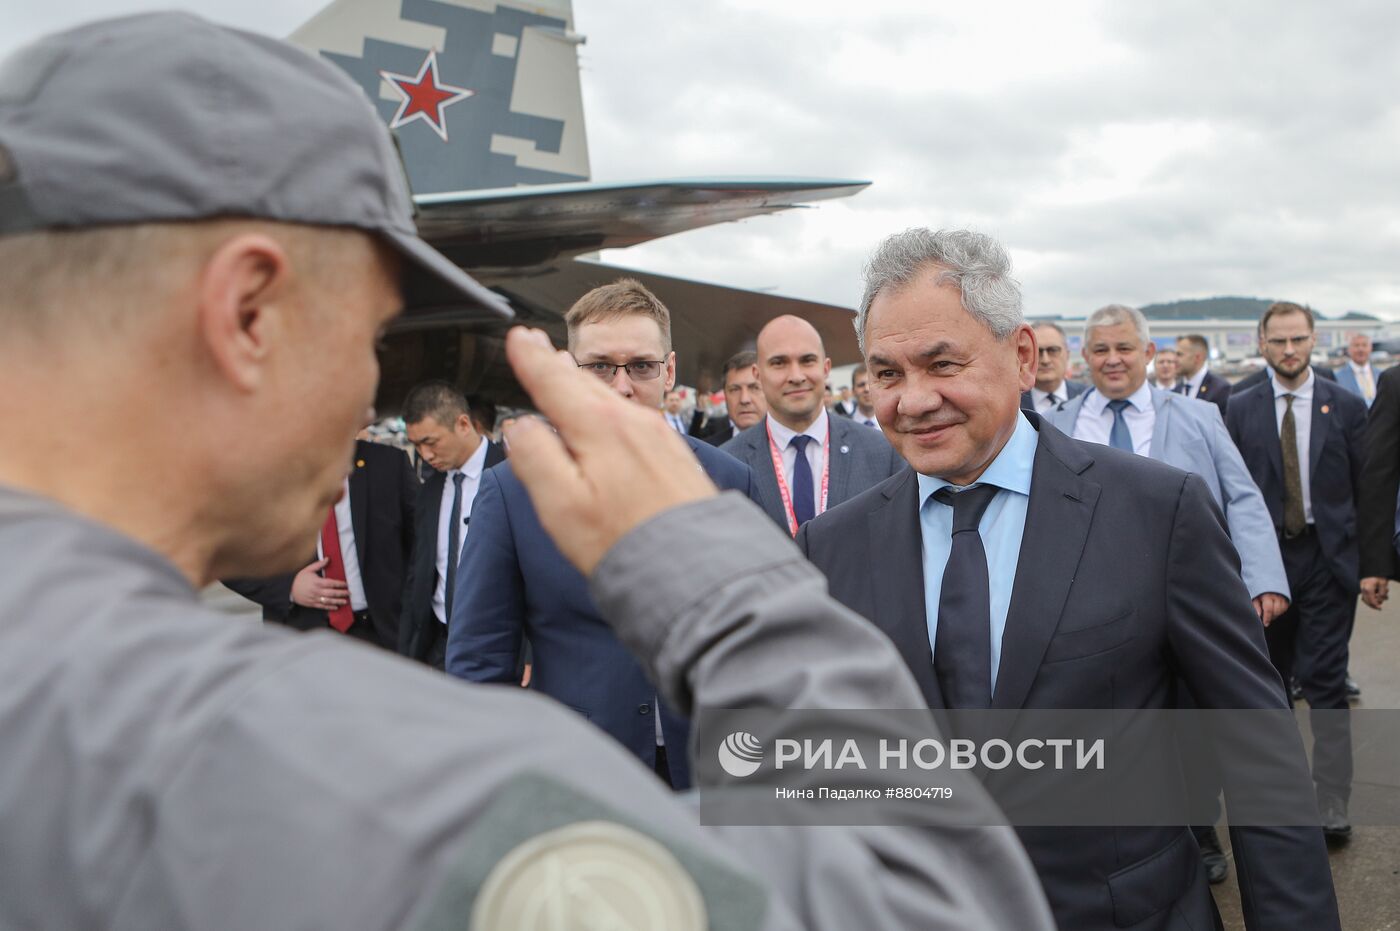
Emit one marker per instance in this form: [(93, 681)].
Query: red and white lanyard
[(782, 476)]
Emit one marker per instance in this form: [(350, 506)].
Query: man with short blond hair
[(513, 584)]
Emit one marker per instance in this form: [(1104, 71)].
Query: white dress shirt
[(867, 419), (1095, 420), (816, 453), (677, 423), (1302, 428), (346, 531), (1044, 401), (472, 469), (1193, 384)]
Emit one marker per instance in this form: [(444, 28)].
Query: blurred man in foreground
[(182, 771)]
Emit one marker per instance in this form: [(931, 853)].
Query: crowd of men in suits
[(1263, 478)]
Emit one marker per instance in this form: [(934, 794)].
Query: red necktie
[(341, 617)]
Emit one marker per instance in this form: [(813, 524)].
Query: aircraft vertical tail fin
[(481, 94)]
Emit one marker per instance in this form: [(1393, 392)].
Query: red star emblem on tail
[(424, 96)]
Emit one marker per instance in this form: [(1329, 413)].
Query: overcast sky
[(1125, 152)]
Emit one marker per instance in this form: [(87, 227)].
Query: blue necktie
[(1119, 437), (454, 540), (962, 648), (803, 507)]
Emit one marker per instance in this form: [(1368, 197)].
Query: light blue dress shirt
[(1001, 529)]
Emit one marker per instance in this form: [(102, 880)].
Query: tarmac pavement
[(1366, 871)]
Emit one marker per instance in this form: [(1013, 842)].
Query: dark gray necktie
[(803, 505), (962, 649), (1120, 437), (1295, 520), (454, 542)]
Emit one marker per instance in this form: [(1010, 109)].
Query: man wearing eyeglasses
[(513, 583), (1051, 388), (1303, 440)]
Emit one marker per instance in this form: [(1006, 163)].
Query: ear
[(1150, 350), (1027, 354), (670, 371), (464, 425), (826, 368), (241, 317)]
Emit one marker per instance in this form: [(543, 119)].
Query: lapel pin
[(845, 449), (359, 463), (1325, 408)]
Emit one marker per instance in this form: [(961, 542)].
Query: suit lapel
[(1264, 419), (1320, 427), (359, 506), (1057, 525), (762, 463), (840, 452), (895, 550), (1162, 405)]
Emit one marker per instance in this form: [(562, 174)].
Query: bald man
[(824, 460)]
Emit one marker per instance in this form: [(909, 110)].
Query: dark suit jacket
[(420, 628), (1254, 378), (720, 433), (1073, 389), (383, 490), (1336, 445), (514, 583), (1091, 626), (860, 458), (1215, 389), (1380, 480)]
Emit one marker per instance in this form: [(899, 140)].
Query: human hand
[(311, 590), (1269, 606), (1374, 591), (612, 465)]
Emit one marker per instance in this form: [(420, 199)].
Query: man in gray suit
[(1123, 410), (1014, 567), (824, 460), (1172, 428)]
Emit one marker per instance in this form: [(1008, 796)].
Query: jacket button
[(644, 709)]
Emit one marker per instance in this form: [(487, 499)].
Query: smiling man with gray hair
[(1015, 568)]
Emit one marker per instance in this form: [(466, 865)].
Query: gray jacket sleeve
[(750, 625)]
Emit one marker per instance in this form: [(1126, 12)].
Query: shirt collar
[(472, 468), (1303, 392), (1358, 369), (782, 436), (1195, 380), (1141, 399), (1059, 392), (1011, 469)]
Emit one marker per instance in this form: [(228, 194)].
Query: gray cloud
[(1125, 152)]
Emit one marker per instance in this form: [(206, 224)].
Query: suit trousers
[(1310, 642)]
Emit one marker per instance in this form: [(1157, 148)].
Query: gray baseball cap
[(168, 117)]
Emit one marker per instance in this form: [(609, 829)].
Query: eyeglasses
[(1278, 342), (1051, 351), (637, 371)]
